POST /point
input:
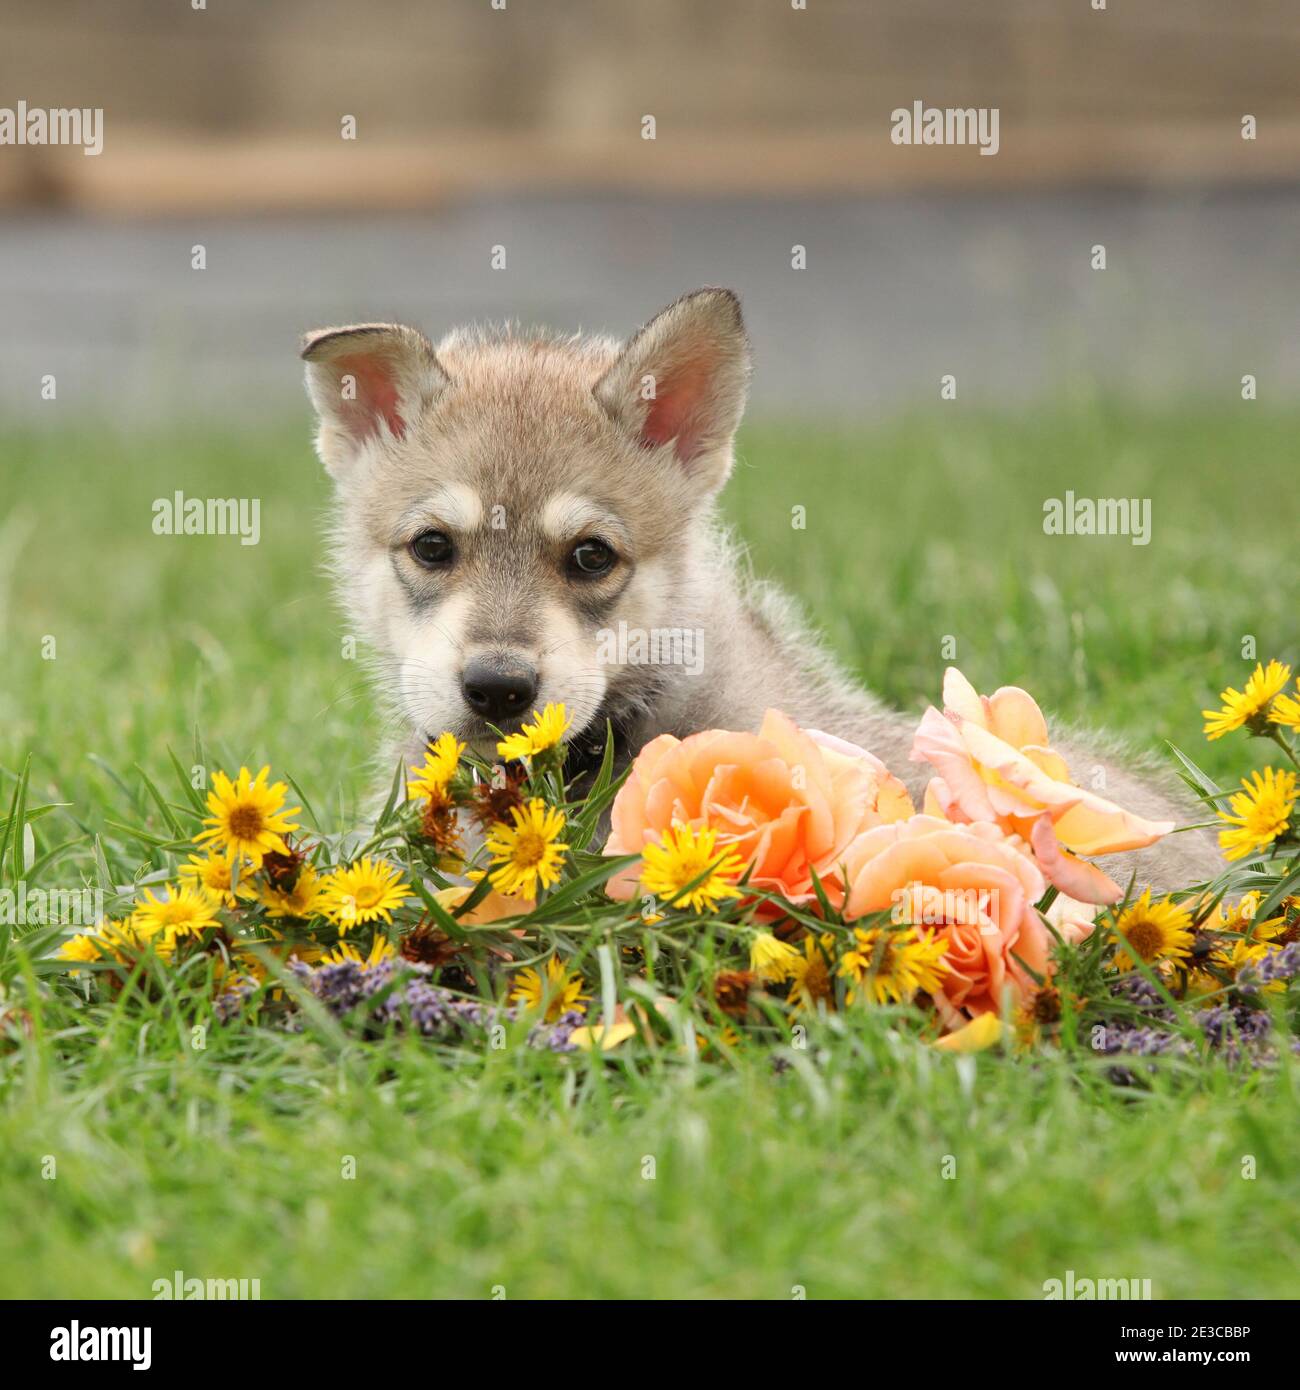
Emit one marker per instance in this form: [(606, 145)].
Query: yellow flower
[(247, 816), (183, 912), (1286, 711), (561, 989), (681, 857), (529, 852), (892, 964), (305, 899), (1240, 917), (546, 730), (1259, 814), (1246, 706), (980, 1033), (770, 959), (363, 892), (1154, 932), (215, 872), (81, 947), (441, 759), (810, 975), (130, 937), (1246, 952), (381, 949)]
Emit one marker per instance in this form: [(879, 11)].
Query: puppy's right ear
[(369, 381)]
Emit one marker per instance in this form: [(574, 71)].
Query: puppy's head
[(505, 502)]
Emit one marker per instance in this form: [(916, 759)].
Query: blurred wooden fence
[(239, 105)]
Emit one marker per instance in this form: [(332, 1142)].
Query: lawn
[(867, 1167)]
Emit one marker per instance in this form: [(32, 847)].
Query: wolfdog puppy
[(524, 518)]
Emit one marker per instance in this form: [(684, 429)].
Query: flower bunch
[(753, 883)]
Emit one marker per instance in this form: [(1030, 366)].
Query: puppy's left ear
[(369, 381), (682, 380)]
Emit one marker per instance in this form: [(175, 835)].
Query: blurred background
[(521, 127)]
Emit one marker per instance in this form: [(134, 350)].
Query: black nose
[(498, 691)]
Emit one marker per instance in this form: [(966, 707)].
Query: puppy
[(524, 518)]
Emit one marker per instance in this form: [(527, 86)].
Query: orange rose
[(994, 763), (972, 887), (787, 800)]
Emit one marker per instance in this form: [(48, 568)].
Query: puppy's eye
[(591, 557), (432, 548)]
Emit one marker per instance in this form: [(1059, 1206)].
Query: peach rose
[(974, 888), (789, 801), (994, 763)]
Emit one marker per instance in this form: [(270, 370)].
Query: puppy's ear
[(682, 380), (367, 381)]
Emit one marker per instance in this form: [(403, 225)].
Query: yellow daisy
[(81, 947), (1259, 814), (363, 892), (529, 852), (546, 730), (183, 912), (770, 959), (681, 857), (1246, 706), (561, 990), (1154, 932), (248, 817), (1245, 952), (381, 949), (215, 872), (810, 975), (441, 759), (1286, 711), (305, 899), (130, 937), (893, 964)]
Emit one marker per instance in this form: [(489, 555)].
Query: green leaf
[(393, 794), (173, 824), (190, 793)]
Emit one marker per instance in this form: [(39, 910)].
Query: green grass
[(525, 1171)]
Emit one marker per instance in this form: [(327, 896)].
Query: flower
[(1285, 710), (1249, 706), (977, 1035), (893, 964), (216, 872), (684, 856), (561, 989), (381, 949), (994, 763), (81, 947), (789, 801), (441, 759), (528, 853), (1153, 932), (183, 912), (974, 888), (1073, 920), (546, 730), (492, 907), (731, 991), (495, 800), (247, 816), (365, 891), (441, 828), (1250, 953), (771, 960), (810, 975), (305, 898), (1259, 814)]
